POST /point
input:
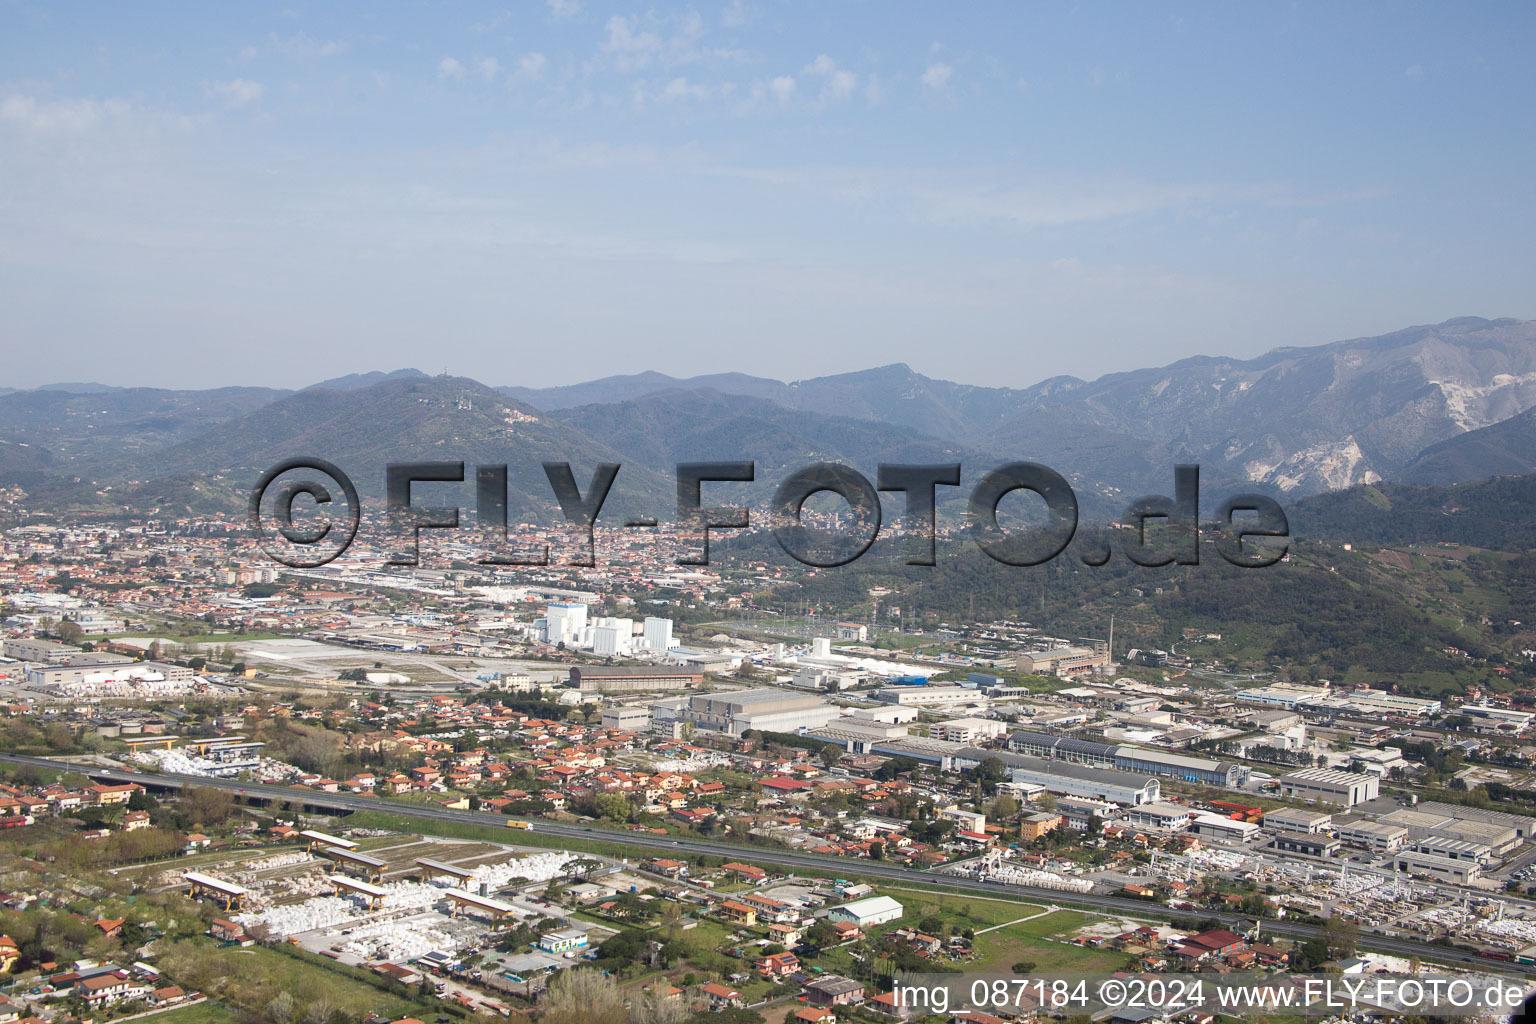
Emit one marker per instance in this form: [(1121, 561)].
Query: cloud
[(937, 76), (448, 67), (874, 91), (633, 49), (837, 84), (736, 14), (530, 67), (783, 88), (1413, 71), (1053, 204), (492, 23), (237, 92), (564, 8), (630, 45), (681, 89), (300, 46), (61, 117), (489, 68)]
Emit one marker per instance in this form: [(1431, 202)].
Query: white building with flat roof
[(968, 730), (1330, 786), (658, 634)]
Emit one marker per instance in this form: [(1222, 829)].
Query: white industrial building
[(611, 637), (1220, 827), (1165, 817), (627, 719), (1297, 819), (658, 634), (1062, 779), (1330, 786), (968, 730), (1444, 869), (1372, 835), (761, 710), (867, 912), (924, 696), (564, 623)]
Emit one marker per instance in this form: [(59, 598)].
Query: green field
[(206, 1012), (998, 951), (251, 976)]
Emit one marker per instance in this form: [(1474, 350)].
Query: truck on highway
[(520, 824)]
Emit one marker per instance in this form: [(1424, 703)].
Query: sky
[(551, 191)]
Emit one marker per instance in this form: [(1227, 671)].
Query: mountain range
[(1438, 404)]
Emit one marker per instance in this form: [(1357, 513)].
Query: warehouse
[(930, 695), (1143, 760), (1063, 748), (762, 710), (1444, 869), (1063, 661), (1521, 824), (1330, 786), (867, 912), (1062, 779), (609, 679), (1423, 823), (1297, 819), (1311, 846), (1166, 817), (1179, 766), (1372, 835), (968, 730), (627, 719), (1497, 837), (1455, 849), (1220, 827)]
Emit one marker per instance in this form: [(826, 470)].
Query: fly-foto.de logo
[(1250, 530)]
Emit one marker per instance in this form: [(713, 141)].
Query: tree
[(1023, 967), (655, 1008), (584, 996), (613, 806), (1341, 935), (831, 754), (1004, 807), (206, 805)]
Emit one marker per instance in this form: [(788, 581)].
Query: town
[(230, 784)]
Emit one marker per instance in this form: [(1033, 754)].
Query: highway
[(817, 863)]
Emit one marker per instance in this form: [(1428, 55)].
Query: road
[(816, 863)]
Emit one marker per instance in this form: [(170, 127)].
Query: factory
[(1371, 835), (1330, 786), (1444, 869), (1297, 819), (1161, 816), (923, 696), (1063, 779), (1306, 845), (1065, 661), (1422, 823), (968, 730), (761, 710), (1454, 849), (1143, 760), (629, 679), (627, 719), (1220, 827)]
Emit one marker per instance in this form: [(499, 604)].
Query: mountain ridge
[(1291, 422)]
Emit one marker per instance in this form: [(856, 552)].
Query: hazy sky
[(545, 192)]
